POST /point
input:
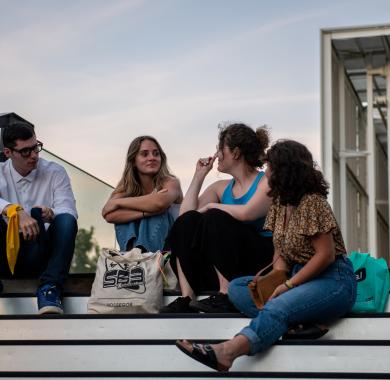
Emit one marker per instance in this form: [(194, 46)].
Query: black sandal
[(203, 353), (305, 331)]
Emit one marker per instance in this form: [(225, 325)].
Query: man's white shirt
[(47, 185)]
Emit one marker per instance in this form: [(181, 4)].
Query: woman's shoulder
[(170, 179), (313, 203), (221, 184), (218, 187), (314, 199), (173, 183), (314, 215)]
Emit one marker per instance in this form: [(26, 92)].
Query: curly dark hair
[(293, 173), (251, 144)]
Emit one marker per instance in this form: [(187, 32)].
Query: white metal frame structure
[(355, 100)]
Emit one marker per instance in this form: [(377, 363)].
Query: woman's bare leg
[(223, 283), (230, 350), (185, 287)]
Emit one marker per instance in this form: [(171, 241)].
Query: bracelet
[(289, 284)]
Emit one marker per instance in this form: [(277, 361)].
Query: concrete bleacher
[(78, 345)]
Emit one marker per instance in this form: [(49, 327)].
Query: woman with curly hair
[(219, 235), (308, 245), (142, 206)]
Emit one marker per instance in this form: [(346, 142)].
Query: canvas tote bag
[(127, 282)]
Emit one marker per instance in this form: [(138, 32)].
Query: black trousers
[(203, 242)]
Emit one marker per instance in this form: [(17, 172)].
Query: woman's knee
[(188, 217), (239, 295), (215, 214), (237, 287), (186, 222)]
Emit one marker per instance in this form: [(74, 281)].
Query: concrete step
[(142, 346), (78, 346), (357, 328), (161, 358)]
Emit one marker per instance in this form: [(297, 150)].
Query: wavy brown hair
[(130, 183), (251, 144), (293, 173)]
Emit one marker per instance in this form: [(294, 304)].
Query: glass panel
[(94, 232)]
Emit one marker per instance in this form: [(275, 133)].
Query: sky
[(91, 75)]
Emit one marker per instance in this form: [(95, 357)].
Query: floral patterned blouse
[(312, 216)]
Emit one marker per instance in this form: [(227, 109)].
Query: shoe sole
[(200, 307), (197, 306), (50, 310)]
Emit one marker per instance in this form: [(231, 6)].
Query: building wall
[(349, 124), (349, 128)]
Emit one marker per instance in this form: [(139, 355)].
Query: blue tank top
[(228, 199)]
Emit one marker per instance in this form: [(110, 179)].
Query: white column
[(342, 157), (371, 169), (387, 73), (326, 112)]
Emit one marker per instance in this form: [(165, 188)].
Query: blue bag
[(373, 282)]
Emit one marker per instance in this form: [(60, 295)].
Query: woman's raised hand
[(204, 165)]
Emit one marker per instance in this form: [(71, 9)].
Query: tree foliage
[(86, 251)]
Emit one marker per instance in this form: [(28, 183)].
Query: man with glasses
[(39, 195)]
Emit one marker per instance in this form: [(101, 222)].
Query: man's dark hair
[(16, 132)]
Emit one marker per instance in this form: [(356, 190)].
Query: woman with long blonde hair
[(142, 206)]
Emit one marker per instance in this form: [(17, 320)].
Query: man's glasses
[(26, 152)]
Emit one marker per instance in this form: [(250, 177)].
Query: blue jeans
[(149, 233), (49, 256), (328, 296)]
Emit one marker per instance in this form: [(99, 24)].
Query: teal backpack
[(373, 282)]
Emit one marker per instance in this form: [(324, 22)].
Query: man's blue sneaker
[(49, 300)]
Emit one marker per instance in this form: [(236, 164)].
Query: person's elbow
[(109, 218), (329, 257), (245, 215)]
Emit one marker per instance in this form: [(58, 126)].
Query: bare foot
[(222, 354), (227, 352)]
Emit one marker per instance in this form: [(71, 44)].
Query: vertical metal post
[(387, 73), (371, 169), (342, 158), (326, 112)]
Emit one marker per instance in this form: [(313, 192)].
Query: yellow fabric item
[(13, 241)]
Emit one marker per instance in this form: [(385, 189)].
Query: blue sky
[(92, 75)]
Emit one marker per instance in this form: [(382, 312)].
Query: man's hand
[(28, 225), (47, 213)]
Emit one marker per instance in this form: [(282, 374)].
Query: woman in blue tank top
[(219, 235)]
